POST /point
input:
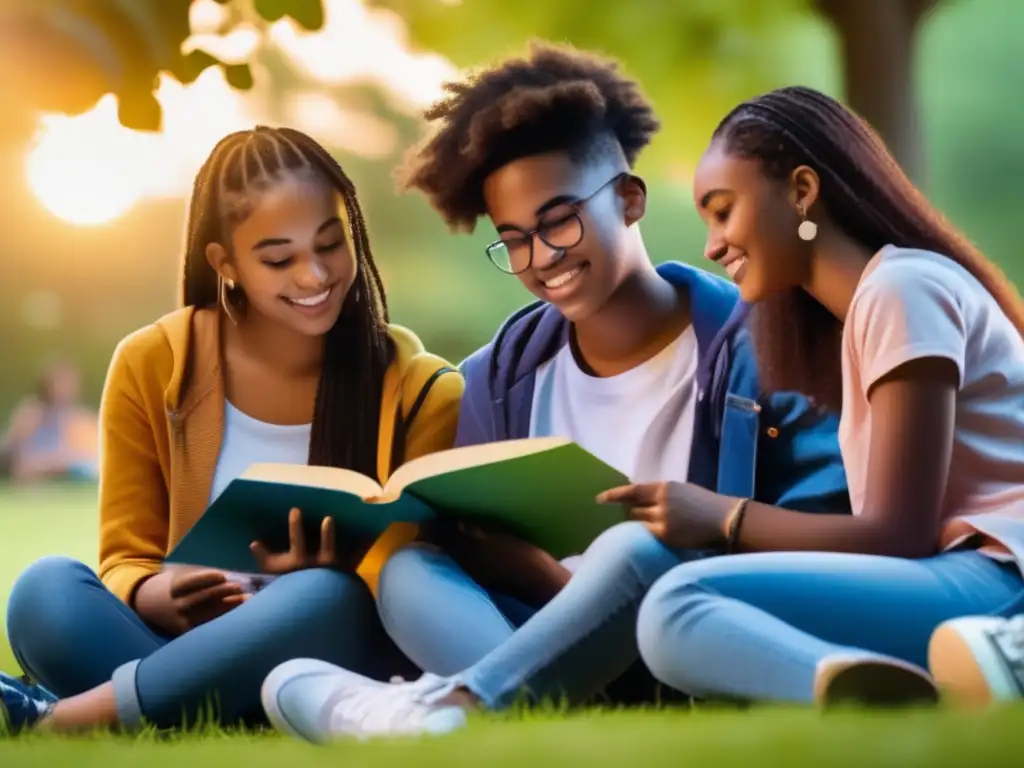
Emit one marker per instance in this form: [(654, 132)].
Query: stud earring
[(807, 230), (229, 284)]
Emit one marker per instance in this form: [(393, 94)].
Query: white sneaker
[(319, 702), (870, 680), (979, 660)]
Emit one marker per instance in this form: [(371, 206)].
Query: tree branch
[(878, 39)]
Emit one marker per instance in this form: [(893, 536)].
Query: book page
[(330, 478), (454, 459)]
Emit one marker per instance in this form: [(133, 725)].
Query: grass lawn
[(62, 520), (55, 520)]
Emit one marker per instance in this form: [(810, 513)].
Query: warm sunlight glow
[(359, 44), (78, 168), (235, 47), (89, 170), (206, 16), (360, 132)]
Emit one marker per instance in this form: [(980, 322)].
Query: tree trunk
[(878, 42)]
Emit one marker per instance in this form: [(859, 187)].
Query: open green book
[(542, 489)]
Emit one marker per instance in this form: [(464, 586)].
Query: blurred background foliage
[(941, 80)]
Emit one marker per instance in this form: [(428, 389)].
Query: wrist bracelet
[(734, 525)]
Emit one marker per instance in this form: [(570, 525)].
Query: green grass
[(62, 520), (54, 520)]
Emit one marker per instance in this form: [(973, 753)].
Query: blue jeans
[(755, 627), (573, 647), (71, 634), (438, 615)]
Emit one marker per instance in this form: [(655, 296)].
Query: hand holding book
[(542, 490), (181, 598), (501, 561), (299, 555)]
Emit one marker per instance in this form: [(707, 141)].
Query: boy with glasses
[(648, 368)]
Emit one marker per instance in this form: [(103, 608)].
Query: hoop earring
[(807, 230), (223, 288)]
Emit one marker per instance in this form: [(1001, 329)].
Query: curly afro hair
[(556, 98)]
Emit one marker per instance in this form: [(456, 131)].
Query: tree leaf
[(64, 55), (239, 76), (308, 13), (140, 112)]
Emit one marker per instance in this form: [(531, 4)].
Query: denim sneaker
[(22, 704), (35, 690)]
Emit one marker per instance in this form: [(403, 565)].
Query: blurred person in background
[(283, 352), (51, 434)]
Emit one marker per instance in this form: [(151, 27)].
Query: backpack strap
[(403, 423)]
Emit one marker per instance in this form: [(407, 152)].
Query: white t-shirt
[(640, 422), (249, 441), (913, 304)]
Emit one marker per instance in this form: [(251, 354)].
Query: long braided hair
[(358, 349), (868, 197)]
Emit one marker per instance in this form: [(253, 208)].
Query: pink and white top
[(912, 304)]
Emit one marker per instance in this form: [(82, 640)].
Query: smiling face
[(752, 223), (289, 255), (583, 211)]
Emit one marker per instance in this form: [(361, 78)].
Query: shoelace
[(1010, 639), (397, 708), (431, 686), (377, 710), (1009, 642)]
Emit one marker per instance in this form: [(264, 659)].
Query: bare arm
[(906, 337), (912, 414)]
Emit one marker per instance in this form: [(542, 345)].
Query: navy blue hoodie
[(779, 449)]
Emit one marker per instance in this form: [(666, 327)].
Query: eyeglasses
[(560, 229)]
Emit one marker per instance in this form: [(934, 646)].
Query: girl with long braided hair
[(863, 296), (282, 352)]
